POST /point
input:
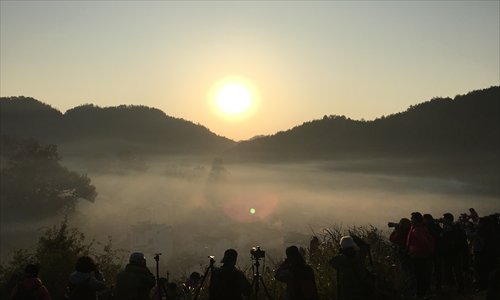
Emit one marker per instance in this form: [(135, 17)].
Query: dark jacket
[(84, 286), (352, 276), (134, 283), (300, 281), (31, 286), (228, 283)]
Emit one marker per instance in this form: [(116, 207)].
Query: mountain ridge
[(438, 127)]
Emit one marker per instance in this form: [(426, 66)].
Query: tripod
[(257, 279), (161, 287), (209, 268)]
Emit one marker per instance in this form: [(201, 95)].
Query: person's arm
[(43, 293), (245, 286), (97, 282)]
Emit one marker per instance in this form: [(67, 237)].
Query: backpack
[(26, 294)]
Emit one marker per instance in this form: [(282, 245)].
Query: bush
[(56, 253)]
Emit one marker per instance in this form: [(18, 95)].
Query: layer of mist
[(189, 208)]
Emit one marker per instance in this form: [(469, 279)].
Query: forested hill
[(467, 125), (90, 130)]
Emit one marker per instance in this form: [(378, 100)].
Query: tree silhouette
[(35, 184)]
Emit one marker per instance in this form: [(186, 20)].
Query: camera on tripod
[(392, 225), (257, 253)]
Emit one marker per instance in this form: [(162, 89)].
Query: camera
[(392, 225), (257, 253)]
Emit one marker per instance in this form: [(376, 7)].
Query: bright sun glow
[(234, 98)]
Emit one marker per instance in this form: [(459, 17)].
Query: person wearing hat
[(298, 276), (352, 277), (86, 280), (136, 281), (227, 282), (31, 287)]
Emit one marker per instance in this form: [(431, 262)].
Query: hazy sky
[(361, 59)]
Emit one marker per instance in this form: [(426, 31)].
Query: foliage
[(35, 184), (60, 246), (56, 253)]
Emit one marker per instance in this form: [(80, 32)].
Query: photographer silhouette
[(227, 282)]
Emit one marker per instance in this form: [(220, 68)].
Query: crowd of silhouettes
[(433, 255), (448, 254)]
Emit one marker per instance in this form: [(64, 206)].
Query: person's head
[(416, 218), (404, 224), (230, 257), (85, 264), (293, 256), (137, 258), (448, 218), (31, 270), (347, 242), (162, 281), (195, 277), (428, 218)]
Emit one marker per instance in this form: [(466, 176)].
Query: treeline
[(92, 130), (442, 127)]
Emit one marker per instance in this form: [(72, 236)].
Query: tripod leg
[(265, 288), (255, 286), (201, 283)]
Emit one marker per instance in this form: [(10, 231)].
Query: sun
[(234, 98)]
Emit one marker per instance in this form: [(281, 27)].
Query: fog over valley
[(190, 207), (157, 183)]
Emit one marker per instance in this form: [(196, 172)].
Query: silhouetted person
[(31, 287), (136, 281), (420, 245), (485, 250), (298, 276), (454, 251), (437, 261), (352, 276), (192, 283), (398, 237), (493, 292), (473, 215), (86, 280), (227, 282), (313, 249)]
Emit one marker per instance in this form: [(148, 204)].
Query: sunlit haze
[(362, 59)]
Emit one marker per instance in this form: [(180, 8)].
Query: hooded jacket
[(84, 286)]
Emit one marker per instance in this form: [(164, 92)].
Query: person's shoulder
[(78, 277)]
